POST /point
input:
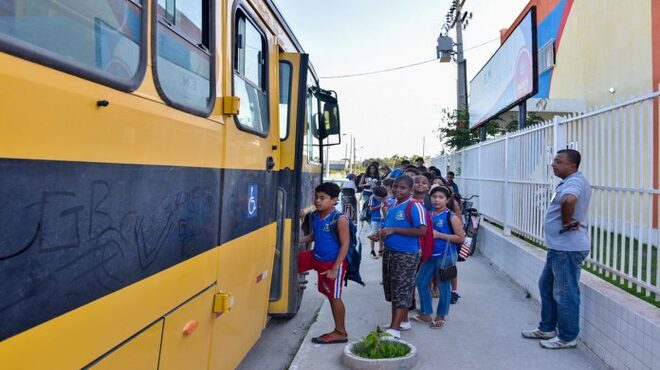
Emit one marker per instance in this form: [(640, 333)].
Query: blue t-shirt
[(375, 214), (440, 225), (326, 245), (395, 173), (396, 217)]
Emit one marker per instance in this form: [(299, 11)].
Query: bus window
[(250, 76), (285, 98), (98, 40), (184, 55), (311, 141)]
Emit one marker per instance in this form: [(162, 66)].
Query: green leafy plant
[(376, 345)]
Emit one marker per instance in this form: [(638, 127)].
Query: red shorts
[(330, 288)]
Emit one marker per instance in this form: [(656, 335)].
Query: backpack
[(425, 241), (354, 254)]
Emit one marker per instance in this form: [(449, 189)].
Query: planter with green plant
[(379, 351)]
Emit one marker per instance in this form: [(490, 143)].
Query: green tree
[(454, 128)]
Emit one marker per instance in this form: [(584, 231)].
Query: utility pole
[(461, 82), (459, 19), (423, 146), (353, 161)]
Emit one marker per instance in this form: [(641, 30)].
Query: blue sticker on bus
[(253, 200)]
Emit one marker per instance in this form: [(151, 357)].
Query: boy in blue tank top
[(328, 257), (444, 255)]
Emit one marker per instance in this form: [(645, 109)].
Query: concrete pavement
[(482, 330)]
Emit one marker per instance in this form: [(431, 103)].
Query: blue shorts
[(376, 225)]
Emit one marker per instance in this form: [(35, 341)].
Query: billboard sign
[(510, 75)]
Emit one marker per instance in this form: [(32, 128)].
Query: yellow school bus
[(154, 156)]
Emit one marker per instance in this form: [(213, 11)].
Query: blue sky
[(393, 112)]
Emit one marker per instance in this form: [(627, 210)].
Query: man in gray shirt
[(568, 242)]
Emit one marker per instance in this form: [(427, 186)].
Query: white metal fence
[(514, 181)]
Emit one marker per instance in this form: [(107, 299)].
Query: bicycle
[(471, 221)]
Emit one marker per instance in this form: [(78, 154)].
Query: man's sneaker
[(393, 335), (538, 334), (373, 255), (556, 343), (404, 326), (454, 297)]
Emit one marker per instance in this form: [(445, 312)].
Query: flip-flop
[(437, 324), (420, 318), (327, 339)]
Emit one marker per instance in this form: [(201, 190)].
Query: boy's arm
[(344, 240), (418, 218), (407, 231), (306, 239)]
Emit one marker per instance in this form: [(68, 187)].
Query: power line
[(382, 70), (482, 44), (401, 67)]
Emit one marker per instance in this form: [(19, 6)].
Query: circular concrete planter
[(360, 363)]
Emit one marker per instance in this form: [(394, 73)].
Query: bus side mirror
[(329, 129), (332, 131)]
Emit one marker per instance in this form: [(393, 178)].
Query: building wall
[(598, 45), (605, 43)]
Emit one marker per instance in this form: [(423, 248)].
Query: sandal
[(328, 338), (437, 324), (422, 318)]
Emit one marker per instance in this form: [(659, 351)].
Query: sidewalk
[(482, 330)]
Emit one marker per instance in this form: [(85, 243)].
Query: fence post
[(560, 134), (507, 188), (479, 176), (559, 140)]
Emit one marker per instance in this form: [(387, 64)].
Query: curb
[(297, 359)]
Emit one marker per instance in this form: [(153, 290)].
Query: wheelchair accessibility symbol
[(253, 200)]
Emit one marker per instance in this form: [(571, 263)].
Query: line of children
[(436, 201), (399, 219)]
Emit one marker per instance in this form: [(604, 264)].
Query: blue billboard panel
[(509, 77)]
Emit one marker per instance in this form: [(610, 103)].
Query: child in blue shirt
[(375, 205), (328, 257), (444, 255), (404, 225)]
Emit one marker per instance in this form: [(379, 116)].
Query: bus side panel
[(75, 232), (140, 352), (93, 329), (244, 272), (187, 334)]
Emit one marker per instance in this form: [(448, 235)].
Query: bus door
[(304, 124), (286, 289)]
